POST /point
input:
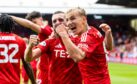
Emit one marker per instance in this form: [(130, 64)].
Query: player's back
[(11, 50)]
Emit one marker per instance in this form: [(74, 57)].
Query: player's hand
[(61, 30), (105, 27), (33, 40)]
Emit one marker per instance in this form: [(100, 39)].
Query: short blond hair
[(80, 11)]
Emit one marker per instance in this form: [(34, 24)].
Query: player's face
[(76, 22), (58, 19), (38, 21)]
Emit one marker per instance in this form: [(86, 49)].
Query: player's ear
[(84, 18)]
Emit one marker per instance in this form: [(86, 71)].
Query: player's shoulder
[(49, 41), (47, 27), (19, 38), (92, 31)]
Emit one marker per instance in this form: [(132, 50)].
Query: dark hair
[(33, 15), (6, 23)]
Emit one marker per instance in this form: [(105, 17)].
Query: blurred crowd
[(125, 49)]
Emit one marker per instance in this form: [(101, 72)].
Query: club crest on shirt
[(83, 46), (43, 43)]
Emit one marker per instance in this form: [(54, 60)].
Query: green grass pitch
[(123, 73)]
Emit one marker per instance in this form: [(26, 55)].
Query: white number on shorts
[(5, 53)]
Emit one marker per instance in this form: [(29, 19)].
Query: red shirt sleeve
[(44, 45), (45, 32)]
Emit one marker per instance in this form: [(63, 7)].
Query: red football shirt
[(63, 70), (11, 50), (93, 67), (44, 61), (45, 32)]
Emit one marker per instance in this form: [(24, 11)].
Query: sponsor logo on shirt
[(58, 46), (61, 53)]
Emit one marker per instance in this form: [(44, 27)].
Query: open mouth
[(73, 28)]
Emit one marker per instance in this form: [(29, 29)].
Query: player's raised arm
[(30, 53), (26, 23), (109, 42)]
